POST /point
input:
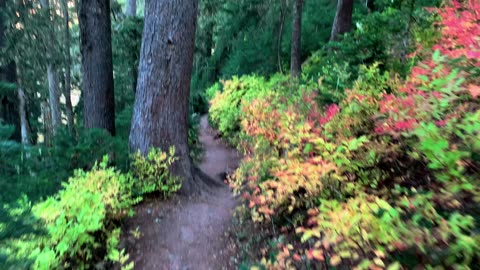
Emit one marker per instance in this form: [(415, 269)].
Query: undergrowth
[(387, 177)]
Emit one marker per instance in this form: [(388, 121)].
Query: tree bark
[(343, 19), (295, 56), (280, 35), (53, 83), (405, 42), (24, 123), (160, 117), (54, 97), (131, 9), (8, 105), (68, 79), (97, 65)]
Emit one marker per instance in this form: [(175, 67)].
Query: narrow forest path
[(189, 233)]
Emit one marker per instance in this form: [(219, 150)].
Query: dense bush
[(81, 222), (80, 226), (386, 178), (226, 101)]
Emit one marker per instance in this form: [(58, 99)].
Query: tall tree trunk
[(54, 97), (8, 105), (131, 9), (160, 117), (405, 43), (68, 79), (295, 56), (343, 19), (24, 123), (96, 48), (53, 83), (280, 35)]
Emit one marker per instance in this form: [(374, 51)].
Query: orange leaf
[(474, 90), (318, 255)]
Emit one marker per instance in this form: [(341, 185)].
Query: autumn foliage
[(387, 178)]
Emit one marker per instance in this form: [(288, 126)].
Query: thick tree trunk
[(160, 117), (53, 83), (68, 79), (131, 9), (343, 19), (295, 56), (96, 48)]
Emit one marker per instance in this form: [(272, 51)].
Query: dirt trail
[(189, 233)]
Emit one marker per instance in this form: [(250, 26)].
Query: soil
[(189, 232)]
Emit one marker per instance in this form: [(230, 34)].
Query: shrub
[(152, 172), (81, 222), (388, 178)]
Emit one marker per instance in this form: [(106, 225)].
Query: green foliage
[(388, 178), (236, 38), (6, 131), (152, 172), (80, 222), (226, 105), (126, 43), (7, 89)]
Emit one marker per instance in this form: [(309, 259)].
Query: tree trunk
[(68, 79), (160, 117), (405, 43), (295, 56), (53, 86), (370, 4), (96, 48), (343, 19), (8, 105), (280, 35), (131, 9), (54, 97), (24, 123)]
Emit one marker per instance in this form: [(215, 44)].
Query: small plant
[(153, 172)]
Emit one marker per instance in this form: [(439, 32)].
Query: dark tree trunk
[(68, 77), (343, 19), (8, 104), (295, 56), (131, 10), (280, 35), (160, 117), (96, 48), (370, 4)]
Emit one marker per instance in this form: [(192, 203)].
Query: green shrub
[(152, 172), (226, 105), (81, 222)]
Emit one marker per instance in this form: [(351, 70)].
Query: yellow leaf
[(335, 260), (378, 262)]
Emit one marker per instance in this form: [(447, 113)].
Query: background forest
[(359, 121)]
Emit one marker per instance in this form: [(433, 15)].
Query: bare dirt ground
[(189, 233)]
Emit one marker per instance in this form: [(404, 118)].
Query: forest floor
[(189, 233)]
